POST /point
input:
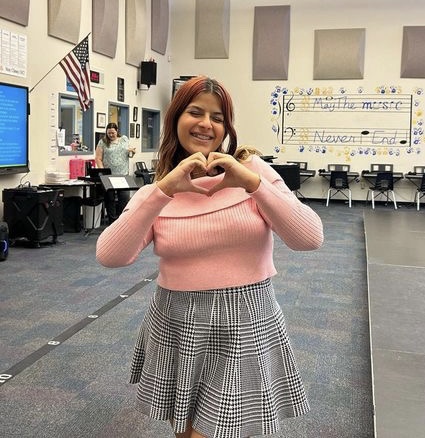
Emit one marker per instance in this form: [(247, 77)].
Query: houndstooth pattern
[(219, 358)]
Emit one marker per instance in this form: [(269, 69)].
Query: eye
[(217, 119), (195, 113)]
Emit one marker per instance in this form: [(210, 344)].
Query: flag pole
[(58, 62)]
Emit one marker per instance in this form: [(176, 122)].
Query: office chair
[(420, 192), (142, 171), (290, 174), (339, 184), (384, 185)]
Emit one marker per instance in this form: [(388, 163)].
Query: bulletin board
[(348, 123)]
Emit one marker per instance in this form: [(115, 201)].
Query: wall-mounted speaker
[(148, 73)]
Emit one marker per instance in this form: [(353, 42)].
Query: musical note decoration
[(384, 122)]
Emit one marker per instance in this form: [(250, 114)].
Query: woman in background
[(213, 356), (113, 151)]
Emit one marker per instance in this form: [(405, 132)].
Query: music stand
[(118, 182), (96, 172)]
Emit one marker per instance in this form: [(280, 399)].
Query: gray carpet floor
[(68, 327)]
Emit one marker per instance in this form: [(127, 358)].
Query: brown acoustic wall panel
[(135, 31), (339, 53), (270, 55), (60, 24), (413, 52), (105, 27), (212, 21), (159, 26), (16, 11)]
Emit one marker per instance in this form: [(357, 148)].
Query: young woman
[(213, 356)]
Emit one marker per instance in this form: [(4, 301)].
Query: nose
[(205, 121)]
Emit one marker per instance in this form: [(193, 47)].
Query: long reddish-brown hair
[(170, 150)]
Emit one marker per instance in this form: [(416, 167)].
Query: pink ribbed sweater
[(212, 242)]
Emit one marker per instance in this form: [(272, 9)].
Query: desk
[(306, 174), (351, 175), (71, 217), (370, 176), (64, 185), (414, 178)]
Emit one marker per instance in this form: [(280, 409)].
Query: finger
[(190, 165), (218, 165), (212, 156), (217, 188)]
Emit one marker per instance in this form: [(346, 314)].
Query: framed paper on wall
[(137, 130), (135, 113), (101, 120)]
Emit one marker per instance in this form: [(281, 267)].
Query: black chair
[(339, 184), (420, 192), (290, 174), (142, 171), (384, 185)]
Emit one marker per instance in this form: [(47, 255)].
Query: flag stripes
[(77, 69)]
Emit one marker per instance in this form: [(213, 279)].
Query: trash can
[(92, 213)]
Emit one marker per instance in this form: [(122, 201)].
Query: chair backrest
[(339, 179), (343, 167), (142, 172), (290, 173), (141, 166), (302, 164), (381, 167), (384, 181), (419, 169)]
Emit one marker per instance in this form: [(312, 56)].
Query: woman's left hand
[(235, 173)]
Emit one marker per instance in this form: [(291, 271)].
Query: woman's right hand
[(179, 179)]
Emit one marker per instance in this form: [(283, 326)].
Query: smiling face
[(200, 127)]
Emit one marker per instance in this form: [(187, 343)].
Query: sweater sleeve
[(121, 242), (294, 222)]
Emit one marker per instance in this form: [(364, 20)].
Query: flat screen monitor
[(14, 113)]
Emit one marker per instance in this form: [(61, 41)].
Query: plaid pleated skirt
[(220, 359)]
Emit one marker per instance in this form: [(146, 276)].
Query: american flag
[(77, 69)]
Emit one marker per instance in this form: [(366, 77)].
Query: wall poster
[(13, 53), (319, 120)]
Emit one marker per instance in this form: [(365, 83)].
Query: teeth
[(202, 137)]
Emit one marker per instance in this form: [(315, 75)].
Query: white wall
[(383, 21)]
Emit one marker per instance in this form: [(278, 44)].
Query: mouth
[(202, 137)]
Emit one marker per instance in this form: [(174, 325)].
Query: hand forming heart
[(181, 178)]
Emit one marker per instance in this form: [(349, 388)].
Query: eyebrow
[(196, 107)]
